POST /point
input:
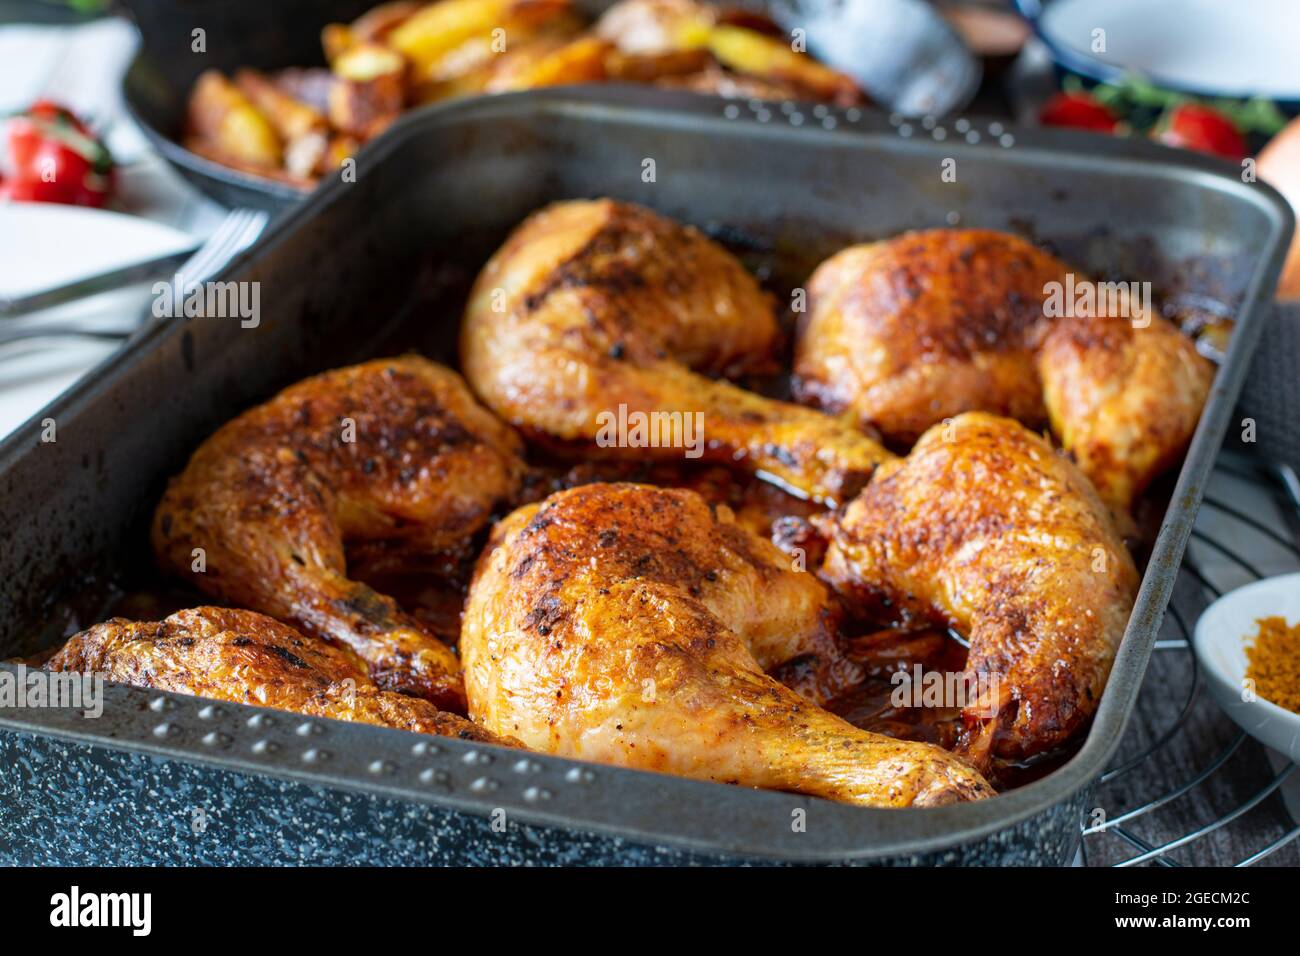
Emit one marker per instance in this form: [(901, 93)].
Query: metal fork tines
[(235, 233)]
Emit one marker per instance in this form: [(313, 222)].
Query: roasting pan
[(380, 265)]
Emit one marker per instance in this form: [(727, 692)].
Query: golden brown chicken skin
[(907, 332), (595, 305), (248, 658), (631, 625), (392, 460), (986, 529)]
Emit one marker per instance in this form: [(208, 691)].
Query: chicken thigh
[(986, 529), (248, 658), (632, 625), (392, 458), (912, 330), (600, 311)]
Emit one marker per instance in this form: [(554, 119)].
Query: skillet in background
[(901, 52)]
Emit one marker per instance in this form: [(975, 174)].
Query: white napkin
[(81, 67)]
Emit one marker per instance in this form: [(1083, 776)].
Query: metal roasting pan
[(373, 267)]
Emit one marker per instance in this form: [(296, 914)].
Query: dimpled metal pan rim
[(553, 133)]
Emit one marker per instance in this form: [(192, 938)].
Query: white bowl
[(1205, 47), (1222, 634)]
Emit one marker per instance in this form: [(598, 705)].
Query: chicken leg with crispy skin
[(912, 330), (392, 458), (629, 624), (985, 528), (248, 658), (590, 306)]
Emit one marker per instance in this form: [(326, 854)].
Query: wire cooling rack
[(1188, 787)]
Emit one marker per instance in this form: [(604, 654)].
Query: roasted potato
[(439, 29), (755, 54), (373, 26), (577, 61), (221, 116), (652, 67), (369, 90), (716, 81), (654, 27), (290, 117), (377, 23), (295, 124), (470, 68), (339, 148), (206, 149)]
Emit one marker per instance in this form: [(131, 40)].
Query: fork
[(235, 233)]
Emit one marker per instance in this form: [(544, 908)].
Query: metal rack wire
[(1247, 529)]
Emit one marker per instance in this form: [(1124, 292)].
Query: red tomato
[(1078, 111), (54, 157), (34, 190), (1206, 130)]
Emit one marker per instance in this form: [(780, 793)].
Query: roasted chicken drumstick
[(985, 528), (248, 658), (912, 330), (593, 306), (630, 624), (392, 458)]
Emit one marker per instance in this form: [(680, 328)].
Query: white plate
[(1220, 640), (44, 245), (1237, 48)]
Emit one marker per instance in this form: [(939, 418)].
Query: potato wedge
[(578, 61), (373, 26), (654, 27), (336, 39), (369, 61), (716, 81), (377, 23), (340, 147), (651, 67), (470, 83), (209, 150), (438, 29), (223, 117), (290, 117), (369, 90), (303, 155), (746, 51)]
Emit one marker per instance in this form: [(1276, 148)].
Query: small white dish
[(1202, 47), (1220, 640)]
